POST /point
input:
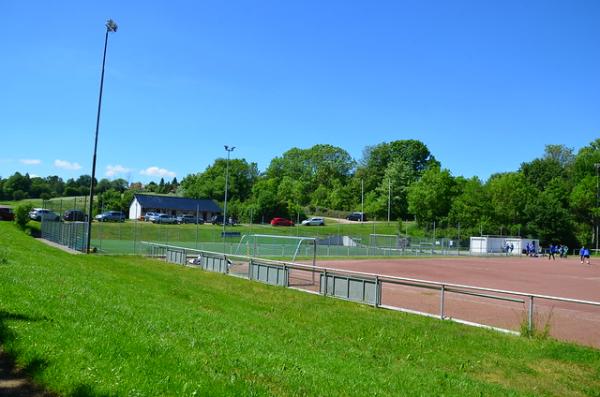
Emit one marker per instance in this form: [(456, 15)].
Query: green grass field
[(124, 237), (129, 326)]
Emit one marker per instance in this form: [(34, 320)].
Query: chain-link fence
[(344, 240), (69, 234)]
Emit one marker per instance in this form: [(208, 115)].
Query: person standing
[(552, 251)]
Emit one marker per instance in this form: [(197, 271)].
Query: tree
[(22, 215), (316, 170), (17, 182), (376, 160), (430, 198), (509, 194), (548, 220), (211, 182), (471, 205)]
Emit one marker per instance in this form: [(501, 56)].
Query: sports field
[(566, 278)]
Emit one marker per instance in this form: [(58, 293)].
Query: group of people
[(561, 250), (508, 248), (531, 249)]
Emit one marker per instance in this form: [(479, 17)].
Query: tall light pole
[(229, 150), (111, 26), (389, 197), (597, 165), (362, 200)]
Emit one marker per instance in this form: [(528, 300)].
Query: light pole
[(597, 165), (389, 197), (362, 200), (111, 26), (229, 150)]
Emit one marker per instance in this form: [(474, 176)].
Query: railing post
[(377, 291), (324, 282), (442, 301), (530, 316)]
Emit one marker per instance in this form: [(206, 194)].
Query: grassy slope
[(86, 325)]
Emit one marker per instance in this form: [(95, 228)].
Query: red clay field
[(565, 278)]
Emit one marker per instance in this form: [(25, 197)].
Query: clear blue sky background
[(485, 85)]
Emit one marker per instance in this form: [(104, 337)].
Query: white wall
[(135, 210), (487, 245)]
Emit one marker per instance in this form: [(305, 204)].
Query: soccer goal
[(392, 242), (269, 246)]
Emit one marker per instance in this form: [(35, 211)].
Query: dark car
[(218, 220), (111, 216), (189, 219), (6, 214), (74, 216), (357, 216), (281, 222)]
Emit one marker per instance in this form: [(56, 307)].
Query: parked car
[(149, 215), (218, 220), (39, 214), (357, 216), (164, 218), (189, 219), (6, 214), (111, 216), (314, 222), (74, 216), (281, 222)]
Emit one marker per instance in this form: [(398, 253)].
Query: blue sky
[(485, 85)]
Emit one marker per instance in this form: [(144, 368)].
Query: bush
[(22, 215)]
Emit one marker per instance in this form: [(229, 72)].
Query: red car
[(281, 222), (6, 214)]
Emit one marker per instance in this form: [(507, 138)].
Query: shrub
[(22, 215)]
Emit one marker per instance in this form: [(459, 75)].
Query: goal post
[(276, 245), (388, 241), (269, 245)]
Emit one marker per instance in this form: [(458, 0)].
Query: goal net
[(283, 247)]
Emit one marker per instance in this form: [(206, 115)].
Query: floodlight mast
[(229, 150), (111, 26), (597, 165)]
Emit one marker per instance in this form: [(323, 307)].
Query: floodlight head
[(229, 149), (111, 26)]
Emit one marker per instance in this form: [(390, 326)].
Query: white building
[(497, 244)]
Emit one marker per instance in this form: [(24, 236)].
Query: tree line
[(553, 197)]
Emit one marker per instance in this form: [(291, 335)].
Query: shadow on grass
[(15, 381)]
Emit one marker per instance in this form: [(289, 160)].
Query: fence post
[(442, 301), (530, 316), (325, 282), (377, 291)]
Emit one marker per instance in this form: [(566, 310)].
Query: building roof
[(176, 203)]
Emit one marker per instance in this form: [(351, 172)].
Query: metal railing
[(365, 287)]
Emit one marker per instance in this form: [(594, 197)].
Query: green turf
[(124, 237), (123, 326)]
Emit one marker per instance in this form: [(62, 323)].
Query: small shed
[(173, 205), (497, 244)]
